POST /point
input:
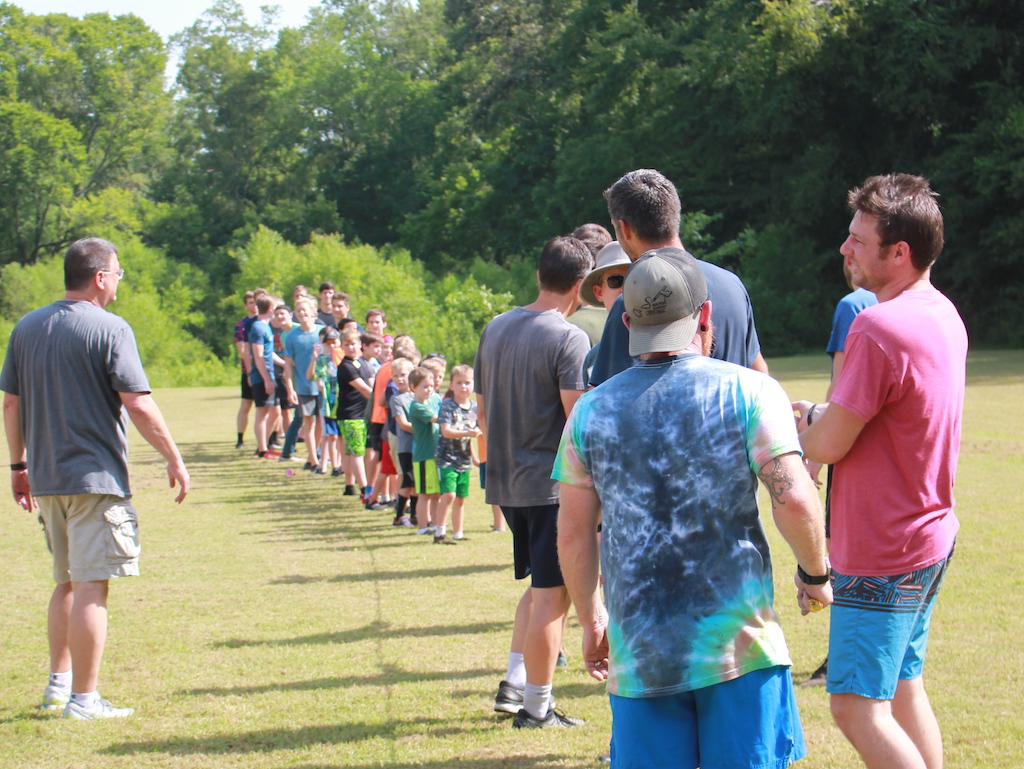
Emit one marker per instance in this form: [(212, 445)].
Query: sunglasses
[(615, 281)]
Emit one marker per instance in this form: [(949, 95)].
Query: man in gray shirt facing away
[(529, 373), (71, 378)]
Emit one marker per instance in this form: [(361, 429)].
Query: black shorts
[(282, 394), (405, 464), (246, 387), (374, 439), (262, 399), (535, 543)]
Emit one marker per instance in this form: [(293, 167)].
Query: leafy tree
[(82, 107)]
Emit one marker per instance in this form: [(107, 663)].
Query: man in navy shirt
[(644, 208)]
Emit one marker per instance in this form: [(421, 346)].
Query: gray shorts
[(310, 405), (93, 537)]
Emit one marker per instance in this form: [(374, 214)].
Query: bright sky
[(166, 18)]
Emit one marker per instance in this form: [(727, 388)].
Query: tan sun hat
[(610, 256)]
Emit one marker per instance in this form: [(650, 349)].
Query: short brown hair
[(402, 366), (906, 210), (648, 202), (418, 374), (463, 370), (436, 365)]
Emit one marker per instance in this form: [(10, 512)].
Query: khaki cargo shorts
[(93, 537)]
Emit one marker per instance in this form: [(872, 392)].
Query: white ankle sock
[(85, 699), (536, 699), (60, 680), (516, 673), (440, 531)]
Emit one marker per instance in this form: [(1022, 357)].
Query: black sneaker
[(523, 720), (819, 677), (377, 506), (350, 491), (337, 472), (509, 699), (240, 445), (444, 539)]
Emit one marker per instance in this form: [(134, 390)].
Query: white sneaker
[(99, 709), (55, 698)]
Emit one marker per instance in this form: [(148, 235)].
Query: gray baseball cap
[(663, 294)]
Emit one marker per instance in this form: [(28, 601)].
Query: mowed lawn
[(277, 624)]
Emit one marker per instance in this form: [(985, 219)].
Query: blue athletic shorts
[(879, 630), (750, 721)]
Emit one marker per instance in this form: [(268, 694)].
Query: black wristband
[(810, 413), (807, 579), (19, 466)]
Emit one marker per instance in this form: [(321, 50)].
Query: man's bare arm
[(579, 513), (569, 398), (838, 358), (798, 517), (16, 449), (831, 434), (760, 364), (146, 417)]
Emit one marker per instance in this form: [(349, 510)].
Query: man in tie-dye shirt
[(666, 456)]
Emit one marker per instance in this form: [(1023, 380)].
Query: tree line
[(454, 137)]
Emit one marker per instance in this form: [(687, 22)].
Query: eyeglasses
[(118, 273), (615, 281)]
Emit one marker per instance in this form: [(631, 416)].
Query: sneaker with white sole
[(99, 709), (509, 699), (524, 720), (55, 698)]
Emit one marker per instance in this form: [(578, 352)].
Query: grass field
[(278, 625)]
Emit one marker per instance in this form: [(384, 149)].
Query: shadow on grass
[(391, 675), (504, 762), (278, 739), (449, 571), (376, 630)]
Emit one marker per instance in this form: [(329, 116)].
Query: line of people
[(364, 403)]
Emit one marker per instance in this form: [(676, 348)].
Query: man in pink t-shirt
[(892, 431)]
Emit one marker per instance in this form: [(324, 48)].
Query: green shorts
[(353, 431), (426, 477), (453, 480)]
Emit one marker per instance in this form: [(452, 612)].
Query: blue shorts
[(330, 426), (750, 721), (878, 634)]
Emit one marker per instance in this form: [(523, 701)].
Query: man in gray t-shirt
[(71, 379), (529, 373)]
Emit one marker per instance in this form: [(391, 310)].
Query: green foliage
[(448, 317), (82, 109), (159, 298), (467, 133)]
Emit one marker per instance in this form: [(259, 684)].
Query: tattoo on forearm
[(776, 479)]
